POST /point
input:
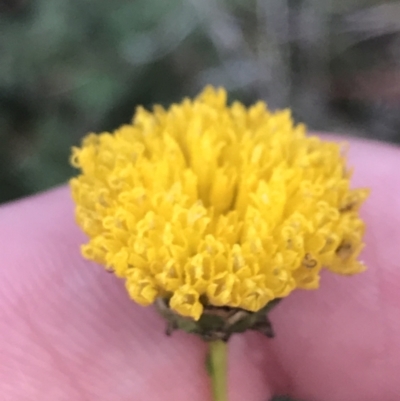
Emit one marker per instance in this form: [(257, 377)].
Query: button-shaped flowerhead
[(208, 204)]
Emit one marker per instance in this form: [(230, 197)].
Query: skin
[(69, 332)]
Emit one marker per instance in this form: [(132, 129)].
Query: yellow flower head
[(208, 204)]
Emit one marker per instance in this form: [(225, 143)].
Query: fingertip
[(252, 375), (68, 319)]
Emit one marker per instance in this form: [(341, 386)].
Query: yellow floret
[(209, 204)]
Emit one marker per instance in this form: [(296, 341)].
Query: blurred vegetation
[(72, 66)]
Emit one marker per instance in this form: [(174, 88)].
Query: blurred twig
[(228, 40), (273, 52), (373, 21)]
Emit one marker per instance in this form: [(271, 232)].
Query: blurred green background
[(72, 66)]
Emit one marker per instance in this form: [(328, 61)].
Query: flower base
[(218, 323)]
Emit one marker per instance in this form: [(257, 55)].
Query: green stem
[(217, 369)]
